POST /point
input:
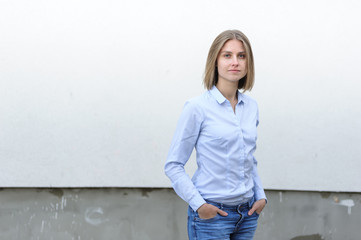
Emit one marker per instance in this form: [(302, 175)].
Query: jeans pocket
[(256, 214), (198, 219)]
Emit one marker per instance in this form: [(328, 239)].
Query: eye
[(227, 55), (242, 56)]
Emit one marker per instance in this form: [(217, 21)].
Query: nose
[(235, 61)]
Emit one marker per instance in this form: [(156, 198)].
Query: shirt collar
[(220, 98)]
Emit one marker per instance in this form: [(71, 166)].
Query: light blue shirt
[(225, 142)]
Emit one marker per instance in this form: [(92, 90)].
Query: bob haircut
[(211, 72)]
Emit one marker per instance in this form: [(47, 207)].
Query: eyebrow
[(232, 52)]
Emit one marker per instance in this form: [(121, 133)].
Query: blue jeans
[(236, 226)]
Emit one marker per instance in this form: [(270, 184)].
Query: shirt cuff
[(196, 202), (260, 194)]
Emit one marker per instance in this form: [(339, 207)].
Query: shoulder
[(196, 105), (251, 102)]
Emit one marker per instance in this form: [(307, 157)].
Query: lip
[(234, 70)]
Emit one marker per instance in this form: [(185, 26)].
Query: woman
[(225, 195)]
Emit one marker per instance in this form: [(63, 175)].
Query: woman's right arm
[(184, 140)]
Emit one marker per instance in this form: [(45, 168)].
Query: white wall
[(90, 91)]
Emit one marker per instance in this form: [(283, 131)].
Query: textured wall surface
[(142, 214)]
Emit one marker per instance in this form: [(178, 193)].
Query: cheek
[(221, 70), (244, 66), (221, 65)]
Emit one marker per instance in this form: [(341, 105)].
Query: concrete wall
[(142, 214)]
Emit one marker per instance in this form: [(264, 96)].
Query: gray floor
[(157, 214)]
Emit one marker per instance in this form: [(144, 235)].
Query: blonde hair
[(211, 72)]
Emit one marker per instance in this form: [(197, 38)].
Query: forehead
[(233, 45)]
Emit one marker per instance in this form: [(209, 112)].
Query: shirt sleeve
[(257, 189), (182, 145)]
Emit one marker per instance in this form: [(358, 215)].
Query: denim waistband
[(232, 207)]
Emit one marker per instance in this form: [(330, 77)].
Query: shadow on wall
[(308, 237)]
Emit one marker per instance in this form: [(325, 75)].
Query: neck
[(228, 90)]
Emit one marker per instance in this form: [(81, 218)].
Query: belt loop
[(222, 206)]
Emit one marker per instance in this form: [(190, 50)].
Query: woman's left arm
[(259, 194)]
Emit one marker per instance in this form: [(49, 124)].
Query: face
[(232, 62)]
